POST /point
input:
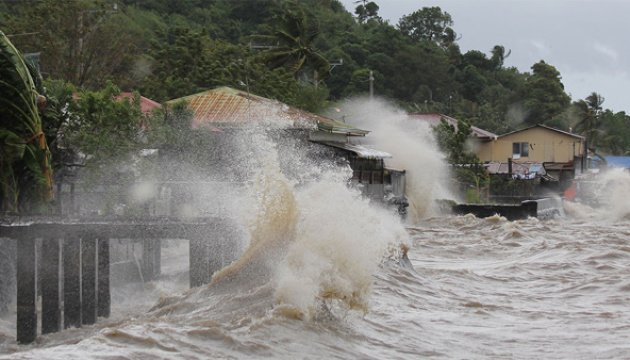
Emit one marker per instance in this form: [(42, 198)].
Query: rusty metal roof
[(146, 105), (435, 118), (225, 107)]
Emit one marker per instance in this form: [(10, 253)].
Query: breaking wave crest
[(312, 240), (337, 248)]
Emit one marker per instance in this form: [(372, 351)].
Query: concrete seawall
[(541, 208)]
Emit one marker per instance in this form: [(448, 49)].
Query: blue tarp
[(618, 161)]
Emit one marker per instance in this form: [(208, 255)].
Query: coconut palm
[(24, 153), (589, 113), (295, 48)]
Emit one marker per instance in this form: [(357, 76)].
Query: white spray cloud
[(604, 197), (413, 147)]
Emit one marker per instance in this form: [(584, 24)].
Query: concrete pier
[(80, 251)]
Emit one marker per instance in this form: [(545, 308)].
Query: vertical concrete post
[(215, 256), (199, 261), (148, 259), (218, 250), (51, 306), (88, 279), (104, 295), (157, 258), (72, 282), (26, 291)]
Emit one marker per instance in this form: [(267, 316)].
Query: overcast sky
[(586, 40)]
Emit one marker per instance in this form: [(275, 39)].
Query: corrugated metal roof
[(435, 118), (339, 127), (228, 107), (360, 150), (146, 105)]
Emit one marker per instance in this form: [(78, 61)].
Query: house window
[(520, 149)]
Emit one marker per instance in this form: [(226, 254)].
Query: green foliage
[(24, 153), (85, 42), (58, 95), (471, 177), (452, 141), (186, 62), (615, 133), (295, 45), (429, 24), (476, 182), (366, 10), (311, 98), (167, 49), (103, 126), (545, 96), (589, 112), (177, 120)]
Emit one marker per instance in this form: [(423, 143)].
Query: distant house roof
[(547, 128), (618, 161), (435, 118), (228, 107), (146, 105)]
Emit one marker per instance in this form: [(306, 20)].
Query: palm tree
[(24, 153), (295, 48), (589, 117)]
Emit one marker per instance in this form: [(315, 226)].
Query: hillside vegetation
[(306, 53)]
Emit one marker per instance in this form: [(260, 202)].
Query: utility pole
[(82, 32), (332, 66)]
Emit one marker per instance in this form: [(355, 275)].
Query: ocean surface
[(322, 273), (473, 288)]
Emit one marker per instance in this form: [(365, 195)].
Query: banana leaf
[(22, 141)]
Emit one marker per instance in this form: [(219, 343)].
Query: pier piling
[(26, 291), (103, 293), (49, 277), (72, 282), (88, 280), (81, 252)]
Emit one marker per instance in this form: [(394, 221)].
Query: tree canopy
[(284, 49)]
